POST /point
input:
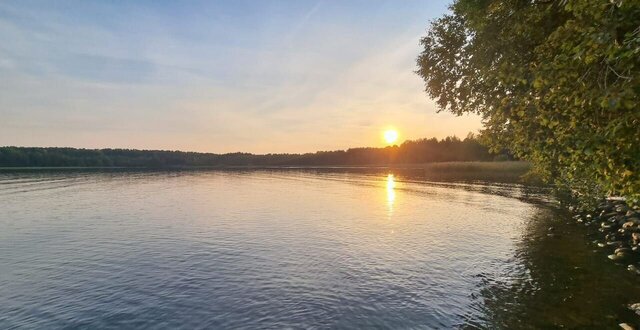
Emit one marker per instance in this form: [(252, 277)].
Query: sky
[(252, 76)]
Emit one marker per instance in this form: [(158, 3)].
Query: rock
[(617, 256), (609, 215), (601, 245), (605, 225), (634, 269), (605, 207), (635, 307), (622, 250), (628, 224), (614, 243), (622, 208), (626, 326)]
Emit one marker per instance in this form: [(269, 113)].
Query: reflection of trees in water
[(482, 182), (476, 182), (563, 283)]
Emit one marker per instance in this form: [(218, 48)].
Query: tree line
[(409, 152)]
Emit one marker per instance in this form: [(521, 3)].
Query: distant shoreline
[(490, 171), (407, 166), (444, 166), (422, 151)]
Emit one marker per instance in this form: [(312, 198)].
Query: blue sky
[(256, 76)]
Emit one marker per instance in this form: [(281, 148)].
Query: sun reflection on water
[(391, 194)]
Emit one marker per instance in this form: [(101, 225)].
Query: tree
[(410, 152), (556, 82)]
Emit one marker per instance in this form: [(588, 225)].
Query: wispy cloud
[(255, 76)]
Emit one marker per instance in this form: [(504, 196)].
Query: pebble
[(622, 208), (626, 326), (617, 256), (609, 215), (634, 269), (635, 307), (622, 250)]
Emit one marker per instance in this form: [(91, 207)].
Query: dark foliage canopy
[(556, 82)]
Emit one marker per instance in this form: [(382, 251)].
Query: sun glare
[(391, 136)]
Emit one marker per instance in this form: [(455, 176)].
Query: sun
[(390, 136)]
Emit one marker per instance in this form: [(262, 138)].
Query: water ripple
[(266, 249)]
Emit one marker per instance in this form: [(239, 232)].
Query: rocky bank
[(619, 225)]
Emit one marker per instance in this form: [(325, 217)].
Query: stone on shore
[(635, 307), (634, 269), (620, 227), (626, 326)]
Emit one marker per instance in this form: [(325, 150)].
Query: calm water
[(295, 249)]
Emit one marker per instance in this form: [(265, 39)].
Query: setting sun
[(391, 136)]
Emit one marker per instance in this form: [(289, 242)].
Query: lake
[(296, 248)]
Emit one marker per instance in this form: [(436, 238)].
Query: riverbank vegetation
[(556, 82), (420, 151)]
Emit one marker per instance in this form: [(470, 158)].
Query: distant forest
[(409, 152)]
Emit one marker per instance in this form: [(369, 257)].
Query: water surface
[(295, 249)]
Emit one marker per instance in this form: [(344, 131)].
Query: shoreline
[(619, 227), (618, 233), (453, 165), (506, 171)]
